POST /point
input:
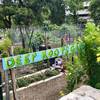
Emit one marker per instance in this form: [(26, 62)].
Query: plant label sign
[(24, 59)]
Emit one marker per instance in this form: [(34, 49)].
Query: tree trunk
[(22, 37), (75, 17), (7, 22), (29, 34)]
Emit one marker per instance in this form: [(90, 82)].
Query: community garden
[(39, 41)]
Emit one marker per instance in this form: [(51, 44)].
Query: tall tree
[(56, 7), (7, 11), (57, 12), (23, 19), (25, 13)]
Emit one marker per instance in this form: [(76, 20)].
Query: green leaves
[(95, 11), (73, 6), (9, 10), (38, 39), (91, 39), (5, 44), (23, 16), (92, 34), (45, 13)]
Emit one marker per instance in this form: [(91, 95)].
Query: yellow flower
[(98, 54), (61, 93), (98, 59)]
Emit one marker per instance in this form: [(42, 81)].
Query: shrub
[(4, 54), (5, 44), (97, 86), (91, 39), (50, 73), (75, 72), (41, 65), (19, 50), (22, 82)]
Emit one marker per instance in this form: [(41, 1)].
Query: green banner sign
[(24, 59)]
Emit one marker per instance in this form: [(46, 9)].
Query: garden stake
[(13, 79), (7, 85)]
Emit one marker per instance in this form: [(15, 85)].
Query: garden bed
[(47, 88), (42, 75)]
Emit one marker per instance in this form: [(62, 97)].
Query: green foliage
[(7, 12), (75, 74), (53, 27), (5, 44), (92, 43), (19, 50), (7, 2), (23, 16), (57, 11), (40, 66), (97, 86), (38, 39), (29, 13), (45, 13), (39, 77), (2, 26), (4, 54), (50, 73), (22, 82), (92, 35), (73, 6), (85, 68), (53, 10), (69, 29), (95, 10)]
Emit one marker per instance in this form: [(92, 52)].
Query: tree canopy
[(26, 11), (95, 10)]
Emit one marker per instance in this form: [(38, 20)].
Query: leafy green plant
[(75, 72), (4, 54), (95, 11), (50, 73), (91, 39), (5, 44), (97, 86), (22, 82), (19, 50), (38, 39)]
